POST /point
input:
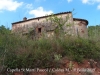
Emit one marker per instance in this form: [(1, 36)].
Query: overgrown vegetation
[(94, 32), (18, 52), (22, 52)]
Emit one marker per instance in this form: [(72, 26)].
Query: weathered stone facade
[(40, 25)]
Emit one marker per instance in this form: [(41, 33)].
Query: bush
[(45, 53)]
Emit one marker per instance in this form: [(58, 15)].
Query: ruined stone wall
[(73, 27), (81, 28), (26, 26)]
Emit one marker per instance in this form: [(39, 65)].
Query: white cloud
[(69, 1), (98, 7), (40, 12), (10, 5), (29, 6), (84, 1), (90, 1), (39, 0)]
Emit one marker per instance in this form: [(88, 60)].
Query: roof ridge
[(43, 17)]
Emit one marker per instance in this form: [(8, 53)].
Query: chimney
[(24, 19)]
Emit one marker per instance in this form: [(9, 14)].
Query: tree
[(4, 30), (94, 31), (60, 23)]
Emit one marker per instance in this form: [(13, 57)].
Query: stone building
[(39, 25)]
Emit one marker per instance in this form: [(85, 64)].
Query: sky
[(14, 10)]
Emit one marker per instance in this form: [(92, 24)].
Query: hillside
[(57, 52)]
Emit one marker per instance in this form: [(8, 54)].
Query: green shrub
[(45, 53)]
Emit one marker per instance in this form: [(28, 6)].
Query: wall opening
[(39, 30)]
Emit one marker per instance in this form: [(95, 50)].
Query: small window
[(39, 30)]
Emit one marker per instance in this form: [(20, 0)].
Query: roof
[(75, 19), (78, 19), (42, 17)]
